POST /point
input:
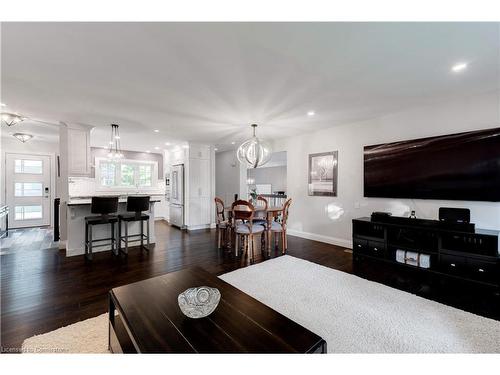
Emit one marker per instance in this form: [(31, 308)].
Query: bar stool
[(103, 206), (135, 204)]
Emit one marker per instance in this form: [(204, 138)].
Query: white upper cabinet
[(197, 151), (177, 156), (79, 161)]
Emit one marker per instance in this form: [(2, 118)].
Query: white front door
[(27, 186)]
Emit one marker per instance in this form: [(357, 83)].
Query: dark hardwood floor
[(42, 290)]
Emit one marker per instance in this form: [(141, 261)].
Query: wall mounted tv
[(463, 166)]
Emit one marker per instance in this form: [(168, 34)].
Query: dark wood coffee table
[(145, 317)]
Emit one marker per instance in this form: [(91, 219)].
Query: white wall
[(276, 176), (227, 176), (329, 219)]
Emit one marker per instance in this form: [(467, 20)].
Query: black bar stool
[(103, 206), (135, 204)]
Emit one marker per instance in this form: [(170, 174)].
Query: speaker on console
[(455, 215)]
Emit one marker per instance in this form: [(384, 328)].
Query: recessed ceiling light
[(311, 113), (157, 148), (233, 143), (459, 67), (167, 143), (148, 151), (156, 130)]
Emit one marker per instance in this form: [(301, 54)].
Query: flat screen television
[(463, 166)]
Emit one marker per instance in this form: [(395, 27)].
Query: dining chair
[(244, 227), (223, 226), (280, 227), (261, 215)]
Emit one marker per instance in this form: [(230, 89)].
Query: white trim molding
[(197, 227), (318, 237)]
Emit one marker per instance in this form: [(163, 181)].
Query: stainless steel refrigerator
[(177, 196)]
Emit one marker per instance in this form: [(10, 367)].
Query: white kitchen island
[(79, 208)]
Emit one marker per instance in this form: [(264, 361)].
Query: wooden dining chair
[(243, 225), (261, 215), (223, 226), (280, 227)]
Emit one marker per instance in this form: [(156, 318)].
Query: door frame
[(52, 157)]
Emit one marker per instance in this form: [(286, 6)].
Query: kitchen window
[(126, 174)]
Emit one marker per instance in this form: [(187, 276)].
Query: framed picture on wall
[(323, 174)]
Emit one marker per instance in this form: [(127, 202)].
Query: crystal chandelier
[(114, 150), (254, 152), (11, 119)]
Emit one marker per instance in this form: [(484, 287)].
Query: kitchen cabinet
[(199, 186), (161, 208), (197, 151), (178, 156), (199, 211), (79, 161), (199, 178)]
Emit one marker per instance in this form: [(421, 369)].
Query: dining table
[(271, 212)]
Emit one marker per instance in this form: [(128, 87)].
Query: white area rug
[(355, 315), (352, 314), (87, 336)]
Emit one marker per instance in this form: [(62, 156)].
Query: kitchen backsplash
[(86, 187)]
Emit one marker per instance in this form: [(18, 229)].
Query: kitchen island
[(79, 208)]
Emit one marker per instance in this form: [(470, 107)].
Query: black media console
[(458, 250)]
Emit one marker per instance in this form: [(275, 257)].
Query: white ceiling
[(40, 132), (206, 82)]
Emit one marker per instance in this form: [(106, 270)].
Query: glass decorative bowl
[(199, 302)]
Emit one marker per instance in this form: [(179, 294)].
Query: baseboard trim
[(62, 244), (318, 237), (198, 227)]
